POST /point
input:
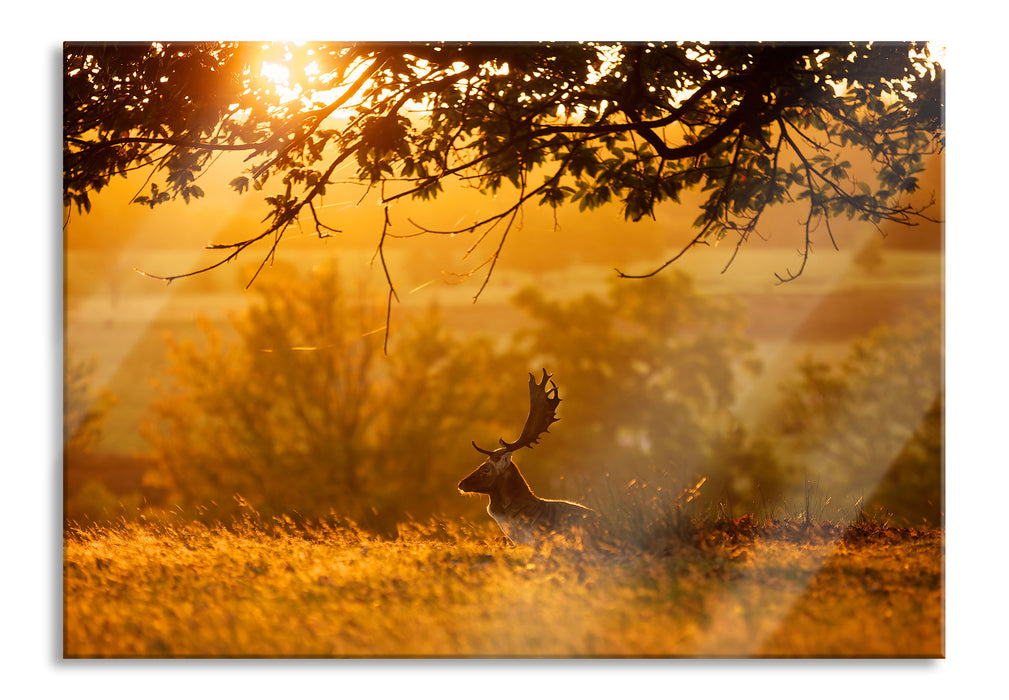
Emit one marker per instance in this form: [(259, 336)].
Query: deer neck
[(511, 492)]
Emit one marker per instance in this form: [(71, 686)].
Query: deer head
[(542, 406)]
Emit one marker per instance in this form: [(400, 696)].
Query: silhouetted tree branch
[(752, 125)]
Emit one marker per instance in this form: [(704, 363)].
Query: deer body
[(524, 517)]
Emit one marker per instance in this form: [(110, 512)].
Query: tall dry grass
[(451, 589)]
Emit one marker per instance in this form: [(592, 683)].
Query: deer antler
[(541, 414)]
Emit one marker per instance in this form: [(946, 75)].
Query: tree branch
[(751, 226), (697, 240), (380, 252), (280, 224), (89, 147)]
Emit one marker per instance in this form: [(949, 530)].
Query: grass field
[(450, 590)]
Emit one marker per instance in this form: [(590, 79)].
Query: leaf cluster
[(750, 125)]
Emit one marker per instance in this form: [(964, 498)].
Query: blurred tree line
[(305, 414), (95, 486), (873, 424), (295, 409)]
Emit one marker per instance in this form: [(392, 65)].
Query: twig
[(271, 254), (497, 253), (696, 241), (279, 225), (329, 230), (751, 226), (808, 246), (380, 252)]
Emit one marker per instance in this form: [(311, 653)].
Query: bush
[(305, 414), (648, 377), (871, 426)]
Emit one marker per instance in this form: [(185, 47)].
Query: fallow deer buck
[(522, 516)]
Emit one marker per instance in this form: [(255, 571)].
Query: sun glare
[(276, 73), (292, 81)]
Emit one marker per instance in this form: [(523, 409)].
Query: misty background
[(771, 392)]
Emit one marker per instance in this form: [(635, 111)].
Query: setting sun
[(299, 76), (276, 73)]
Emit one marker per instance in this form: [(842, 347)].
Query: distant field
[(123, 325), (451, 590)]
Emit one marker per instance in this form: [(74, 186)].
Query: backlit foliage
[(841, 128)]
